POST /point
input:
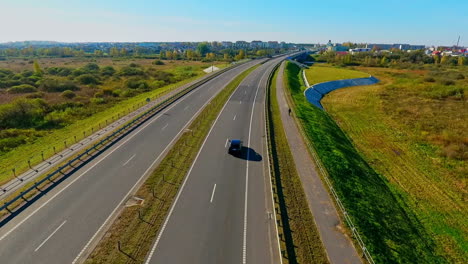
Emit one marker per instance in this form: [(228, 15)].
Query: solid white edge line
[(55, 231), (271, 186), (212, 194), (129, 160), (150, 255), (244, 246), (137, 183), (94, 165)]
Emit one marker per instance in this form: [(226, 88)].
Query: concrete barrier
[(315, 93)]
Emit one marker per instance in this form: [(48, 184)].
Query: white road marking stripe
[(227, 141), (234, 117), (240, 102), (55, 231), (244, 247), (129, 160), (185, 108), (212, 194), (150, 255), (164, 127)]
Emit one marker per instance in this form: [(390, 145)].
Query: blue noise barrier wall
[(316, 92)]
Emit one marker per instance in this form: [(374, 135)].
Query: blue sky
[(301, 21)]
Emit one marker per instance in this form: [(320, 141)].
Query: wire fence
[(365, 253), (122, 131)]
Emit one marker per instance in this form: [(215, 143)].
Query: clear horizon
[(418, 23)]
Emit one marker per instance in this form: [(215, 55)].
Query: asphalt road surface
[(223, 212), (59, 227)]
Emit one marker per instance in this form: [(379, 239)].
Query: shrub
[(135, 82), (23, 113), (59, 71), (108, 71), (91, 68), (95, 100), (157, 84), (131, 71), (129, 93), (88, 79), (68, 94), (158, 62), (447, 82), (51, 86), (429, 79), (99, 94), (35, 95), (22, 88)]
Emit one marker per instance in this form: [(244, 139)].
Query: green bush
[(35, 95), (135, 83), (91, 68), (51, 86), (23, 113), (429, 79), (108, 71), (131, 71), (158, 62), (22, 88), (88, 79), (68, 94)]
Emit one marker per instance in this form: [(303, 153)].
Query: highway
[(62, 226), (223, 212)]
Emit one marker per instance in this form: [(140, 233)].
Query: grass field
[(414, 133), (300, 238), (136, 231), (390, 229), (86, 112), (324, 73)]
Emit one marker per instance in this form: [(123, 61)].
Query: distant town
[(64, 49)]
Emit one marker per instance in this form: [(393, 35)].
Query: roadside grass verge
[(324, 73), (136, 227), (417, 142), (390, 230), (300, 240), (18, 157)]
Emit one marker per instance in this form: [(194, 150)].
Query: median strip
[(299, 238), (129, 238)]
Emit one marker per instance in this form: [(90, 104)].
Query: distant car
[(235, 146)]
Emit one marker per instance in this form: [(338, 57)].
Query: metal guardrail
[(347, 218), (129, 126)]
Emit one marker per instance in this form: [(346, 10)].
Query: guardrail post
[(6, 207)]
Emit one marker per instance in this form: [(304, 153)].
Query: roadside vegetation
[(47, 102), (390, 229), (300, 239), (136, 227), (322, 73), (412, 129)]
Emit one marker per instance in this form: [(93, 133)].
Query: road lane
[(199, 232), (97, 189)]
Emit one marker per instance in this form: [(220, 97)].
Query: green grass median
[(300, 240)]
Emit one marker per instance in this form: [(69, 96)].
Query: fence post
[(55, 152), (42, 155)]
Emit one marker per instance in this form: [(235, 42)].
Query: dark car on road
[(235, 146)]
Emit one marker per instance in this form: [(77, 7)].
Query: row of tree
[(386, 59)]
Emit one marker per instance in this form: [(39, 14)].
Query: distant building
[(273, 44), (241, 44), (395, 46), (226, 44), (257, 44), (357, 50)]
